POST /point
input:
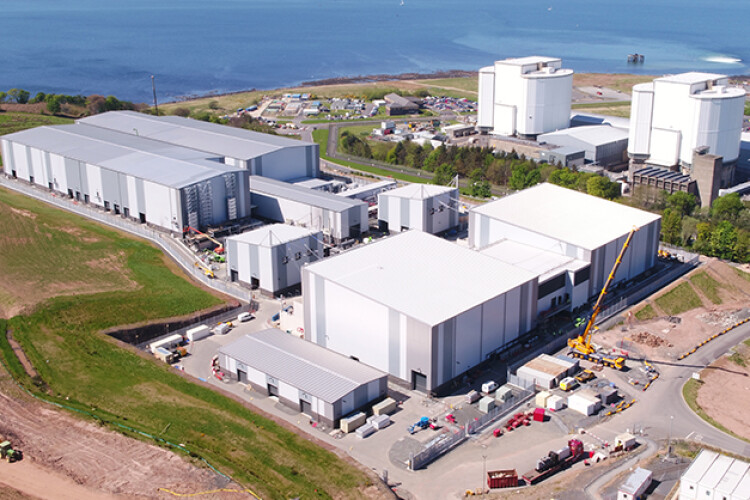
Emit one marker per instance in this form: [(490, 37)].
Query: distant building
[(527, 96), (425, 207), (567, 156), (604, 145), (676, 120), (398, 105)]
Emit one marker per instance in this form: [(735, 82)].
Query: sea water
[(204, 46)]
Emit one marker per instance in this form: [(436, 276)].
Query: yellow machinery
[(206, 270), (580, 347)]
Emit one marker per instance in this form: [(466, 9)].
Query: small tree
[(183, 112), (19, 95), (54, 104), (727, 207), (682, 202), (444, 174)]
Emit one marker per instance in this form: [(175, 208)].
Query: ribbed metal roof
[(545, 263), (155, 161), (595, 135), (320, 199), (211, 137), (307, 366)]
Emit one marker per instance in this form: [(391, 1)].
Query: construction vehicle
[(219, 246), (422, 423), (555, 461), (568, 384), (580, 347), (585, 376), (8, 453), (206, 270)]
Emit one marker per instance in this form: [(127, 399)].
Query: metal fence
[(526, 392), (435, 448), (171, 245)]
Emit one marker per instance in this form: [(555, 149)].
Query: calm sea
[(197, 47)]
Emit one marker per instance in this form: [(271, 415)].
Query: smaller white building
[(337, 217), (584, 402), (311, 379), (546, 371), (694, 473), (424, 207), (635, 486), (527, 96), (271, 257)]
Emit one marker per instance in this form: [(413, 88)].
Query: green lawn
[(86, 370), (678, 300), (468, 84), (708, 286), (14, 122), (646, 313), (321, 137)]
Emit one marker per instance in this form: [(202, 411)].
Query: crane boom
[(581, 345), (219, 247)]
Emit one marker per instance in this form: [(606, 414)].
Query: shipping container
[(541, 399), (555, 403), (365, 430), (502, 478), (352, 422), (381, 421), (384, 407), (167, 343), (486, 404), (197, 333), (221, 329)]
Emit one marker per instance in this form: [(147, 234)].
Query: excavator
[(580, 347)]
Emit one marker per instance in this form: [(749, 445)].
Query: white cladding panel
[(244, 267), (5, 149), (21, 161), (159, 204), (665, 146), (416, 214), (468, 340), (285, 164), (135, 209), (641, 109), (546, 105), (59, 174), (719, 127), (359, 329), (504, 119), (256, 376), (486, 97), (96, 191), (493, 325), (266, 270), (288, 392), (512, 317), (38, 164)]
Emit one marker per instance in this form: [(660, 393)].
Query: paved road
[(594, 488)]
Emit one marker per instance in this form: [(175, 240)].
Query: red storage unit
[(539, 415), (502, 478)]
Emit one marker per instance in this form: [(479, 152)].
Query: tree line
[(58, 103)]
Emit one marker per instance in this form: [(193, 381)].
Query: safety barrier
[(712, 337), (437, 447)]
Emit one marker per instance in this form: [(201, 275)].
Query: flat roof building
[(570, 223), (339, 218), (604, 145), (315, 381), (162, 184), (424, 207), (271, 258), (524, 96), (418, 307), (636, 485), (272, 156)]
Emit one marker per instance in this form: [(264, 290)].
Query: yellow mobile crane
[(580, 347)]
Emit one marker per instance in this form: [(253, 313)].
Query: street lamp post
[(669, 440), (484, 472)]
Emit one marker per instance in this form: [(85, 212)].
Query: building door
[(306, 408), (273, 390), (142, 217), (418, 381), (242, 376)]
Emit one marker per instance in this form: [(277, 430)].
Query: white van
[(246, 316)]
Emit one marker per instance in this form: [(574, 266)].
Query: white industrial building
[(339, 218), (526, 96), (563, 280), (368, 192), (574, 224), (418, 307), (604, 145), (635, 486), (546, 371), (271, 258), (158, 183), (424, 207), (271, 156), (712, 475), (315, 381), (674, 115)]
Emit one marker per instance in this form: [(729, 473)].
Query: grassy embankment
[(320, 136), (678, 300), (47, 249), (11, 121)]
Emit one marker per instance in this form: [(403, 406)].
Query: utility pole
[(484, 472), (669, 439), (153, 87)]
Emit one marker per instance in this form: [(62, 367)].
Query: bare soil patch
[(725, 393), (95, 457), (666, 337)]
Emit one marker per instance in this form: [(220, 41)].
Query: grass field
[(646, 313), (84, 369), (11, 121), (618, 108), (708, 286), (320, 136), (678, 300)]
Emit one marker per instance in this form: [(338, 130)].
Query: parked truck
[(555, 461)]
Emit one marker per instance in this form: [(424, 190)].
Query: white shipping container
[(582, 404), (167, 343), (381, 421), (197, 333), (365, 430), (221, 329), (555, 402)]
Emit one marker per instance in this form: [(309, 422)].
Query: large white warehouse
[(271, 258), (339, 218), (424, 207), (268, 155), (570, 223), (315, 381), (418, 307), (161, 184), (526, 96), (674, 115)]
